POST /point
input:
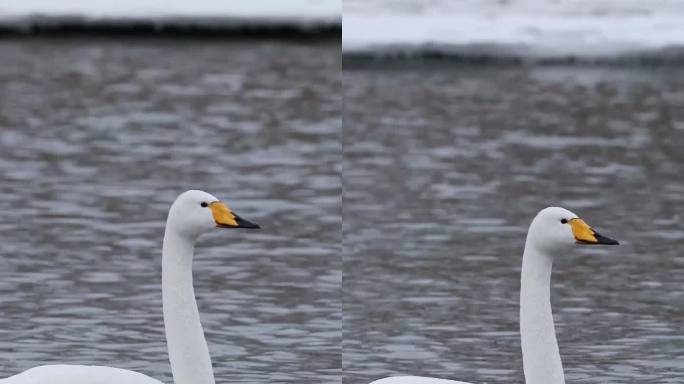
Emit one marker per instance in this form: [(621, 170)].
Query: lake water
[(97, 137), (445, 167)]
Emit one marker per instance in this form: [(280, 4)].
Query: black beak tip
[(605, 240), (251, 226), (242, 223)]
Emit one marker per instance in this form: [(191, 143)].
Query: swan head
[(555, 228), (196, 212)]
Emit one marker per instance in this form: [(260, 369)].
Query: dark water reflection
[(96, 140), (443, 171)]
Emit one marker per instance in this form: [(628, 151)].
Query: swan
[(193, 213), (552, 232)]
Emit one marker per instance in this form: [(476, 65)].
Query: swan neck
[(541, 359), (188, 350)]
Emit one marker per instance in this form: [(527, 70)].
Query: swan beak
[(225, 218), (584, 234), (242, 223)]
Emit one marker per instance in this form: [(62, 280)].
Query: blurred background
[(462, 119), (110, 109)]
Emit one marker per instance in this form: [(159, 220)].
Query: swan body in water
[(553, 231), (192, 214)]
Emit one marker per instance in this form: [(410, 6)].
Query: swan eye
[(564, 221), (204, 204)]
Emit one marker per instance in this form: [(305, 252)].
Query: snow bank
[(535, 29), (201, 12)]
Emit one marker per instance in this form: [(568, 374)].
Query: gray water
[(444, 168), (97, 138)]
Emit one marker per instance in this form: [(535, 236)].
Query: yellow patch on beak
[(222, 214), (582, 231)]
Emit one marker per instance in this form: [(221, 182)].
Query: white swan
[(550, 235), (193, 213)]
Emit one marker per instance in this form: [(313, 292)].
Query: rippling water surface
[(443, 171), (96, 140)]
